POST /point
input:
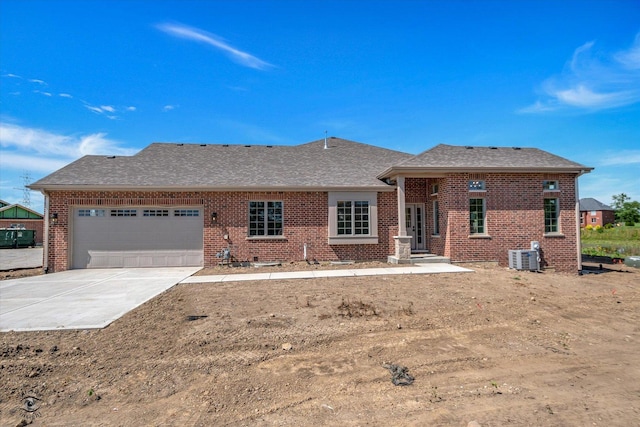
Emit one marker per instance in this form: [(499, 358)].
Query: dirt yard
[(500, 347)]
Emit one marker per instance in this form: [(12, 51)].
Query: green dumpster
[(16, 238)]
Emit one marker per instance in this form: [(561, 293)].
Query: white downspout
[(45, 231), (577, 219)]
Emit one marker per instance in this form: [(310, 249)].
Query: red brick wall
[(305, 221), (514, 218), (29, 224)]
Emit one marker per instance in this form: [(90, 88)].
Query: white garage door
[(137, 237)]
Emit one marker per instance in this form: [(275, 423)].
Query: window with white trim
[(265, 218), (353, 217), (551, 215), (550, 185), (477, 217)]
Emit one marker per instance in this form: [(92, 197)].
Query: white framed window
[(550, 185), (551, 215), (476, 185), (594, 220), (477, 216), (594, 213), (436, 218), (353, 217), (124, 212), (91, 212), (434, 189), (265, 218)]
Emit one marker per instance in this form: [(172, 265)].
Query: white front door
[(414, 218)]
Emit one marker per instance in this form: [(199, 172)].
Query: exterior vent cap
[(468, 147), (225, 145), (111, 157), (203, 145), (516, 148), (180, 145)]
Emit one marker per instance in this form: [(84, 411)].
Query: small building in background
[(593, 212), (18, 216)]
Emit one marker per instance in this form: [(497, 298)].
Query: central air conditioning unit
[(524, 260)]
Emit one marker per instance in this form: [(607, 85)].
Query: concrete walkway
[(430, 268)]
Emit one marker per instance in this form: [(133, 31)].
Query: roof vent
[(269, 146), (203, 145), (516, 148), (493, 148), (468, 147), (333, 137), (179, 145), (225, 145), (111, 157), (247, 146)]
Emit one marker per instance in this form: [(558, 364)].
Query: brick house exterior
[(593, 212), (325, 200)]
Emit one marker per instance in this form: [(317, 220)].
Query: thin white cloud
[(43, 93), (167, 108), (593, 81), (623, 157), (39, 143), (108, 108), (38, 81), (131, 108), (65, 95), (198, 35), (13, 161)]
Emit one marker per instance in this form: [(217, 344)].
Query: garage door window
[(186, 212), (155, 212), (124, 212), (91, 212)]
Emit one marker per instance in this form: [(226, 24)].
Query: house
[(331, 199), (16, 215), (593, 213)]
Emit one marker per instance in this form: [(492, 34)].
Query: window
[(155, 212), (436, 218), (550, 185), (353, 217), (594, 220), (91, 212), (434, 189), (594, 213), (476, 185), (186, 212), (551, 211), (265, 218), (476, 216), (123, 212)]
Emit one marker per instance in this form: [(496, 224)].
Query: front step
[(419, 258)]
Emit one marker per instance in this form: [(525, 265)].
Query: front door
[(414, 218)]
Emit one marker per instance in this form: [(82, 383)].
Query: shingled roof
[(343, 165), (451, 158), (591, 204)]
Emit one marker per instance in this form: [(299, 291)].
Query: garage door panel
[(103, 240)]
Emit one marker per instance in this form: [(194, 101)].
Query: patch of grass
[(616, 242)]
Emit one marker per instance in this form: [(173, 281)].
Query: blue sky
[(111, 77)]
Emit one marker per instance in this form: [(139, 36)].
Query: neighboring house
[(592, 212), (12, 215), (332, 199)]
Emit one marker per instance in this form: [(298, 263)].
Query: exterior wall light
[(214, 217), (54, 218)]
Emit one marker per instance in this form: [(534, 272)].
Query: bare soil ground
[(496, 346)]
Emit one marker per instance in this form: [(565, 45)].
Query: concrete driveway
[(81, 299)]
